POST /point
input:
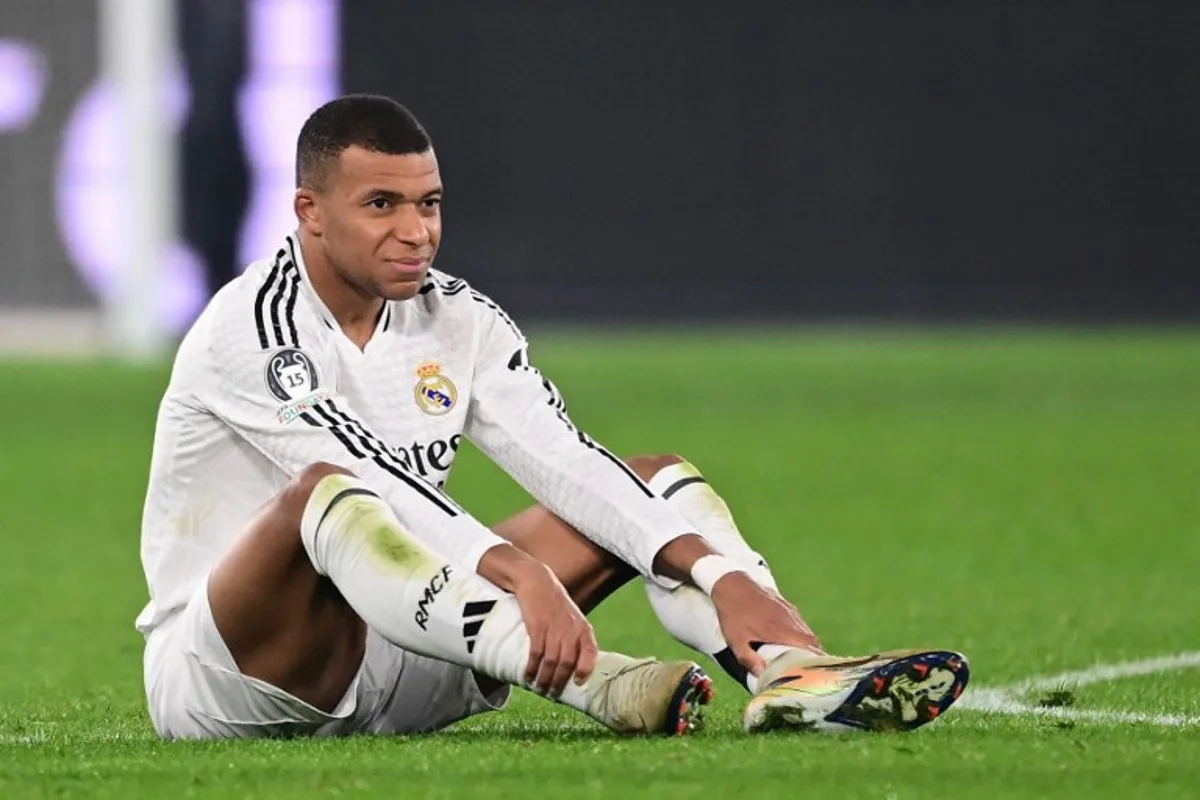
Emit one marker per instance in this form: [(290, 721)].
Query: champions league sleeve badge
[(291, 375), (434, 392)]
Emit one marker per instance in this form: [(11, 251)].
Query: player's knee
[(295, 495), (648, 466)]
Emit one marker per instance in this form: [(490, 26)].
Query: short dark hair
[(373, 122)]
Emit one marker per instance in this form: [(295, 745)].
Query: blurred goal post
[(137, 41), (129, 283)]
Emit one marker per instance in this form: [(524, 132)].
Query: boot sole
[(685, 713), (905, 694)]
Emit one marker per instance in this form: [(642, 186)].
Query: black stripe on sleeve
[(448, 287), (360, 432), (331, 425), (383, 456), (519, 359), (591, 444), (276, 324), (291, 306), (487, 301), (289, 315), (339, 431), (260, 303), (379, 453), (422, 488), (556, 398), (623, 467)]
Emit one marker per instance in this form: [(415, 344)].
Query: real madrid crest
[(435, 393)]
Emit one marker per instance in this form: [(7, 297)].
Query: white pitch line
[(1102, 673), (1002, 700), (992, 702)]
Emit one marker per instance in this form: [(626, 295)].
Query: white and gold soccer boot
[(898, 690), (643, 695)]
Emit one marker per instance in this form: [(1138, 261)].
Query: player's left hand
[(562, 644), (750, 614)]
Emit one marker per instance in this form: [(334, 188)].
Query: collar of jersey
[(293, 245)]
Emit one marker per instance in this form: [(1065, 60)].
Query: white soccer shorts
[(195, 690)]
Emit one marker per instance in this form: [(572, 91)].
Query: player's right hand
[(562, 644), (749, 613)]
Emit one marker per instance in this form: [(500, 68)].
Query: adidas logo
[(474, 613)]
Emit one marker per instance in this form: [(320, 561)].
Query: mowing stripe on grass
[(83, 737), (998, 700)]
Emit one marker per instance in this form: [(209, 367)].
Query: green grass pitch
[(1029, 497)]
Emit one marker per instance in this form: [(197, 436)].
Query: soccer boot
[(894, 691), (643, 695)]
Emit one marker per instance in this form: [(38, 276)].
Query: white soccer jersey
[(266, 383)]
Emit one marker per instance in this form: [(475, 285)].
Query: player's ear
[(308, 211)]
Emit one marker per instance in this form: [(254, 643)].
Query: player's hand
[(751, 614), (561, 642)]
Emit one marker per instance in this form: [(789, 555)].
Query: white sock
[(409, 593), (686, 612)]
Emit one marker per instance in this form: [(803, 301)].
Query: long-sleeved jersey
[(266, 383)]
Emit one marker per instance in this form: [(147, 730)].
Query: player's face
[(380, 220)]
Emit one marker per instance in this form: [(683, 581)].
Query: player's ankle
[(776, 657), (770, 652)]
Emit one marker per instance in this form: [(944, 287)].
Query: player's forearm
[(507, 568), (608, 508), (605, 503), (569, 473)]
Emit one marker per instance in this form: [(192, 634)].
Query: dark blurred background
[(811, 159), (666, 160)]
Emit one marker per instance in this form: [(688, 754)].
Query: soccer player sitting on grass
[(308, 575)]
